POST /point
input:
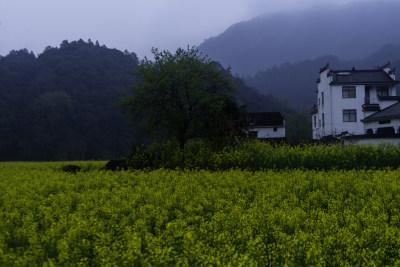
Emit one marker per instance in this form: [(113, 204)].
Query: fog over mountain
[(350, 32), (296, 82)]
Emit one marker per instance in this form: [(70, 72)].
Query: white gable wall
[(339, 104), (268, 132)]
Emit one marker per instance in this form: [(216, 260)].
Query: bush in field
[(71, 168), (116, 165)]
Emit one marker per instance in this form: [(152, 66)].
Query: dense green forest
[(62, 104)]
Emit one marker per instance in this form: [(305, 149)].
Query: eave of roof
[(381, 118), (366, 83), (389, 98), (391, 112), (353, 76)]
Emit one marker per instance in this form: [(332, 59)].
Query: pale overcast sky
[(135, 25)]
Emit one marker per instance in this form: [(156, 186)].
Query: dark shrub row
[(258, 155)]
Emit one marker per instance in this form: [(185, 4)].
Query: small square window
[(348, 92), (275, 129), (349, 115)]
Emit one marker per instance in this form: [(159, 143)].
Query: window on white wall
[(382, 91), (323, 119), (315, 121), (322, 96), (349, 115), (348, 92)]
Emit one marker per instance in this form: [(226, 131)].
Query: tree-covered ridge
[(61, 104)]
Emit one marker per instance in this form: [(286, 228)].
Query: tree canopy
[(182, 95)]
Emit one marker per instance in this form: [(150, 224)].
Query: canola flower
[(197, 217)]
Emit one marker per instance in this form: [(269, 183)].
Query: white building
[(265, 125), (356, 102)]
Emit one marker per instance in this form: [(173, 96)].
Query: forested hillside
[(258, 102), (62, 104)]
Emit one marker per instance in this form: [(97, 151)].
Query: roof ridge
[(358, 70)]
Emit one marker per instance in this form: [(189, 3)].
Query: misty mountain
[(296, 82), (349, 32), (387, 53)]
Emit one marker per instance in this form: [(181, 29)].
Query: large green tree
[(182, 95)]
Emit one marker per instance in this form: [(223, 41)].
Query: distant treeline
[(62, 104)]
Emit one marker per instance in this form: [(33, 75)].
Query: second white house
[(356, 102)]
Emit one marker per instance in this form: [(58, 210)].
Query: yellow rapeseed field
[(175, 217)]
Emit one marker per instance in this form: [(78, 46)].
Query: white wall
[(268, 132), (387, 103), (339, 104), (323, 106)]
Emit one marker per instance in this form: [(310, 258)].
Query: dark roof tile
[(265, 119), (390, 112), (360, 76)]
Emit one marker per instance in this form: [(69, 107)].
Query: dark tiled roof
[(264, 119), (388, 97), (390, 112), (360, 76)]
